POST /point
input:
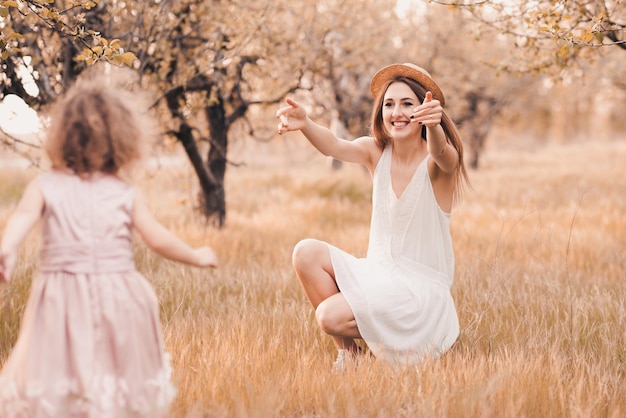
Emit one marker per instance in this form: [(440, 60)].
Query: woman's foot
[(346, 359)]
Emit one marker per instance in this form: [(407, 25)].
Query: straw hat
[(407, 70)]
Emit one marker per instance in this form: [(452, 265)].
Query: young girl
[(90, 343), (398, 297)]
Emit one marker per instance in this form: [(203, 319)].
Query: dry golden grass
[(540, 289)]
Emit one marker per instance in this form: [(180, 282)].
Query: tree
[(207, 59), (203, 58), (350, 40), (456, 61), (209, 62), (55, 44), (486, 75), (550, 35), (49, 46)]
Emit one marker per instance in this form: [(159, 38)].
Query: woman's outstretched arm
[(293, 117)]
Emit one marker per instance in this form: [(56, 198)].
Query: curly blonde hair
[(100, 125)]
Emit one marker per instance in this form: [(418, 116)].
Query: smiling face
[(397, 107)]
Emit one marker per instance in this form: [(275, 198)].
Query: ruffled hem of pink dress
[(107, 397)]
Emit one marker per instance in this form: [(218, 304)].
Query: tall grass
[(540, 288)]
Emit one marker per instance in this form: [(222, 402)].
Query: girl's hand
[(292, 117), (206, 257), (3, 278), (428, 113), (7, 264)]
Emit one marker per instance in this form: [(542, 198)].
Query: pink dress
[(90, 342)]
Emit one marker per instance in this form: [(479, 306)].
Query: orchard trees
[(206, 61), (44, 45), (349, 42), (54, 41), (203, 60), (551, 35), (500, 67), (211, 63), (465, 68)]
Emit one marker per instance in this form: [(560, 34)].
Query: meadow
[(540, 288)]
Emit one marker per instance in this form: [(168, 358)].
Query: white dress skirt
[(400, 292)]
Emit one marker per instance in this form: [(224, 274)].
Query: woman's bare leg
[(311, 261), (313, 266), (336, 317)]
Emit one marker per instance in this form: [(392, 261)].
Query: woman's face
[(398, 105)]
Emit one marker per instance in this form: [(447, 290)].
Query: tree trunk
[(208, 184), (214, 202), (212, 190), (476, 147)]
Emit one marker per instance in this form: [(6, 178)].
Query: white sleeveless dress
[(400, 293)]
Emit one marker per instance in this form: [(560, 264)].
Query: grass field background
[(540, 288)]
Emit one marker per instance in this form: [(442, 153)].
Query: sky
[(403, 6), (16, 117)]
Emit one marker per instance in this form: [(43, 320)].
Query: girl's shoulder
[(51, 176), (58, 178)]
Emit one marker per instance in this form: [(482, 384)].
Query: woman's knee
[(327, 319), (306, 253), (335, 317)]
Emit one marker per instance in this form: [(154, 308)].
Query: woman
[(397, 298)]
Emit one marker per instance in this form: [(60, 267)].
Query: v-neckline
[(393, 192)]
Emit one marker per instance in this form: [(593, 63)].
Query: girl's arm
[(362, 150), (164, 242), (26, 215)]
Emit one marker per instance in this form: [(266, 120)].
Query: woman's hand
[(428, 113), (292, 117)]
